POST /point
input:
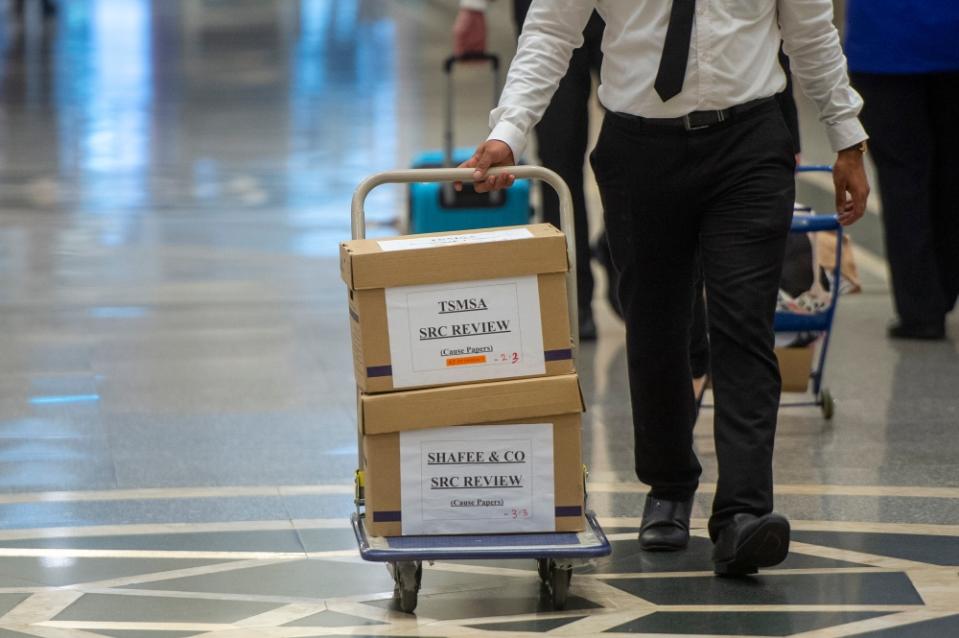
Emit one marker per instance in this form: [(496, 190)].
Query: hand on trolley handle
[(489, 154)]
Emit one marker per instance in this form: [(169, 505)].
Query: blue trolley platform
[(559, 546)]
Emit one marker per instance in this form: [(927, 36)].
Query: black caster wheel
[(827, 404), (407, 578), (559, 579)]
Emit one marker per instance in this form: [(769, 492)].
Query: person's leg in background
[(561, 141), (48, 7), (897, 116), (750, 166), (943, 102), (652, 229)]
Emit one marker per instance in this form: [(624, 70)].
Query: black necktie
[(672, 66)]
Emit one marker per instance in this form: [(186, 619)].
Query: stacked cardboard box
[(468, 403), (795, 367)]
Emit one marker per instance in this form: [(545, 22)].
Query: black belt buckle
[(698, 120)]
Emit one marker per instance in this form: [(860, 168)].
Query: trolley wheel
[(407, 577), (827, 404), (559, 578)]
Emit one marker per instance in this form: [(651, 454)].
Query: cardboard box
[(466, 307), (547, 400), (795, 367)]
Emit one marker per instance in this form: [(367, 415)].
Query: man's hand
[(489, 154), (469, 32), (852, 186)]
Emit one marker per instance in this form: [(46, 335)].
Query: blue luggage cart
[(819, 323), (556, 553), (436, 207)]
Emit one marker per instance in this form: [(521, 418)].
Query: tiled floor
[(176, 403)]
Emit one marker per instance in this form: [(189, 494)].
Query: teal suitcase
[(435, 207)]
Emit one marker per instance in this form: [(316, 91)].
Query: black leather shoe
[(921, 331), (587, 326), (750, 542), (665, 525)]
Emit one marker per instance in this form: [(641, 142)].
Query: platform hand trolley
[(556, 553), (821, 321)]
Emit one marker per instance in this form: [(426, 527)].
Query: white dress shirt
[(733, 59)]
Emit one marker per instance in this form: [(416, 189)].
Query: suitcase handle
[(448, 65), (408, 176), (492, 58)]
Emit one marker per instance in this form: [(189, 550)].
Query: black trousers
[(914, 135), (725, 193), (562, 141)]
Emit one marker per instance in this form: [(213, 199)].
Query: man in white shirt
[(694, 155)]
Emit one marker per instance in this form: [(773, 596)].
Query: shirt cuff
[(845, 134), (474, 5), (512, 136)]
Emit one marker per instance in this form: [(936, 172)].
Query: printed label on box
[(447, 240), (466, 331), (478, 479)]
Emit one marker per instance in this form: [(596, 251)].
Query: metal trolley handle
[(466, 175)]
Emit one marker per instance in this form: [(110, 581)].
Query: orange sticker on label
[(466, 361)]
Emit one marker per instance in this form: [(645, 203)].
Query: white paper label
[(478, 479), (465, 331), (447, 240)]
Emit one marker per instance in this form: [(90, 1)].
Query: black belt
[(698, 120)]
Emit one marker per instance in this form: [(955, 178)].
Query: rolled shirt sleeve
[(812, 43), (552, 31)]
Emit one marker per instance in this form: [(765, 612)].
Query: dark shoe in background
[(750, 542), (587, 325), (665, 526), (919, 331)]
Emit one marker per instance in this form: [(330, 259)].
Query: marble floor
[(177, 413)]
